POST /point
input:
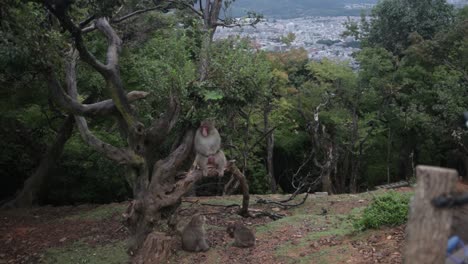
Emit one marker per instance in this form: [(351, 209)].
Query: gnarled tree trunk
[(147, 217), (270, 144), (157, 184)]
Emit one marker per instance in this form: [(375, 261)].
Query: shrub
[(389, 209)]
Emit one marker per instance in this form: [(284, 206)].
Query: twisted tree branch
[(122, 156)]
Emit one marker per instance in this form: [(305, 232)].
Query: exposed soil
[(26, 234), (377, 246)]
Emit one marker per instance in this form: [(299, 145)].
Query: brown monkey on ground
[(194, 236), (243, 237), (207, 146)]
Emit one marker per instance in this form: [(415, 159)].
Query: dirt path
[(304, 235)]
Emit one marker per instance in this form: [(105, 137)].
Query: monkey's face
[(199, 220), (206, 126)]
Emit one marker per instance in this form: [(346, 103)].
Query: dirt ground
[(292, 242), (304, 235), (26, 234)]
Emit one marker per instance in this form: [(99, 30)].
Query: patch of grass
[(223, 200), (329, 255), (290, 221), (99, 213), (333, 225), (388, 209), (339, 225), (80, 252)]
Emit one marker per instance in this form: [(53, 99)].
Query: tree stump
[(156, 249), (428, 227)]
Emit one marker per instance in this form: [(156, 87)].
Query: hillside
[(95, 234)]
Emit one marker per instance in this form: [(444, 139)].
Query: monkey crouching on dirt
[(194, 235), (243, 237)]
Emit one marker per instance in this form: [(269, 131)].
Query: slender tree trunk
[(406, 166), (389, 152), (327, 168), (355, 158), (245, 150), (33, 185), (270, 141), (210, 19), (204, 63), (343, 174), (354, 175)]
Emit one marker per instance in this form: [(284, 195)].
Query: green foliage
[(86, 177), (402, 106), (389, 209), (162, 65), (393, 20), (19, 154), (79, 252), (100, 213), (288, 39), (258, 181)]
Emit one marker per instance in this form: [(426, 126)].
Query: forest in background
[(312, 125)]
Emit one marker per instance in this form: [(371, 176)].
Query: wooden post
[(428, 227)]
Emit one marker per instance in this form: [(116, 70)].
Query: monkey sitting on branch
[(194, 235), (207, 146), (243, 237)]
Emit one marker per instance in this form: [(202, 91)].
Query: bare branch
[(201, 6), (71, 105), (164, 169), (163, 125), (122, 156), (110, 71), (285, 205), (206, 12), (113, 40), (214, 11), (183, 185), (193, 9), (222, 23), (87, 21), (262, 137), (112, 74), (75, 31), (137, 12), (115, 20)]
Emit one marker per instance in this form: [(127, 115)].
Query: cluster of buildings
[(458, 3), (359, 6), (320, 36)]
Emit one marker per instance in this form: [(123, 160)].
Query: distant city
[(458, 3), (319, 36)]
